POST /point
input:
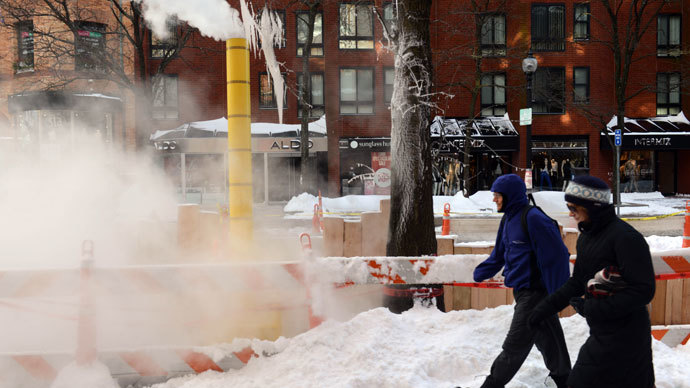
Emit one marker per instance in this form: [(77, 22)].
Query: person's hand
[(578, 304), (541, 312)]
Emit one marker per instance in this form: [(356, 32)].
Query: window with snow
[(581, 26), (549, 90), (356, 91), (303, 34), (493, 39), (356, 26), (548, 27), (165, 47), (581, 85), (388, 80), (89, 45), (318, 108), (25, 46), (164, 104), (668, 94), (267, 95), (493, 94), (668, 36)]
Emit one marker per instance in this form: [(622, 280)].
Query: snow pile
[(417, 349), (481, 204), (664, 243), (93, 375)]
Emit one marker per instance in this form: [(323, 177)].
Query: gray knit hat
[(588, 191)]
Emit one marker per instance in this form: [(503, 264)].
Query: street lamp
[(529, 66)]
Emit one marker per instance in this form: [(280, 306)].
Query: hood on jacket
[(514, 192)]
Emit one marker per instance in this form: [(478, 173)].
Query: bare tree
[(411, 225), (307, 19), (479, 26), (625, 24)]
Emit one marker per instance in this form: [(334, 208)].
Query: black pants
[(548, 337)]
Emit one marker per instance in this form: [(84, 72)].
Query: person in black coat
[(614, 272)]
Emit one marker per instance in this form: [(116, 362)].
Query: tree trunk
[(411, 228), (305, 96)]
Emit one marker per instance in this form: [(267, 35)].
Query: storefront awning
[(219, 128), (488, 133), (655, 133)]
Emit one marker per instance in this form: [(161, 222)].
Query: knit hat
[(588, 191)]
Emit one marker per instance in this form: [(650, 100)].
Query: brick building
[(50, 80), (352, 81)]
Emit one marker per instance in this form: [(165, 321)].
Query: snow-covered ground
[(480, 204), (420, 348)]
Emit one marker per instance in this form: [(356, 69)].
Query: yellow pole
[(239, 145)]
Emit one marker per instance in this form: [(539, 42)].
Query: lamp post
[(529, 66)]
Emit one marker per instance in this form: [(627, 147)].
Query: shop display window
[(555, 162), (637, 171)]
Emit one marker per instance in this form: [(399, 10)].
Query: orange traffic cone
[(316, 221), (686, 228), (445, 227)]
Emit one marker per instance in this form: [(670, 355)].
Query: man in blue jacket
[(534, 264)]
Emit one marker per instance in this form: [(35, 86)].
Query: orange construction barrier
[(315, 221), (445, 228), (686, 229)]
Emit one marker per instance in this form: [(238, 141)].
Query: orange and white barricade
[(672, 335)]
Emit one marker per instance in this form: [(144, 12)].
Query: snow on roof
[(664, 124), (219, 128), (483, 126)]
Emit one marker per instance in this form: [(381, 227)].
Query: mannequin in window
[(544, 178)]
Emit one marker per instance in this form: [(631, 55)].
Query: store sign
[(364, 143), (653, 141), (457, 144), (670, 141), (289, 145)]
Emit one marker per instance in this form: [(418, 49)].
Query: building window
[(668, 35), (493, 94), (281, 15), (165, 47), (318, 108), (165, 97), (549, 90), (493, 39), (89, 45), (668, 94), (267, 96), (25, 46), (581, 85), (581, 26), (388, 16), (303, 34), (388, 79), (548, 27), (356, 26), (356, 91)]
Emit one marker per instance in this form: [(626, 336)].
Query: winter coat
[(618, 352), (513, 250)]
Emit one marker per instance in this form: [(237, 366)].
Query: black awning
[(488, 133), (656, 133)]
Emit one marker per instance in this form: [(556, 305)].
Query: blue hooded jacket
[(513, 248)]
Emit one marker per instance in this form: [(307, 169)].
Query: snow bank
[(481, 204), (418, 349)]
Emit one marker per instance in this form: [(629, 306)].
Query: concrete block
[(333, 236)]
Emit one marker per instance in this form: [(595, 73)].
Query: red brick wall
[(204, 79)]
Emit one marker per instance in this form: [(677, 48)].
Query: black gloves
[(540, 312), (578, 304)]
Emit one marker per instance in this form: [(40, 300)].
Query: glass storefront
[(637, 171), (557, 161), (365, 165)]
